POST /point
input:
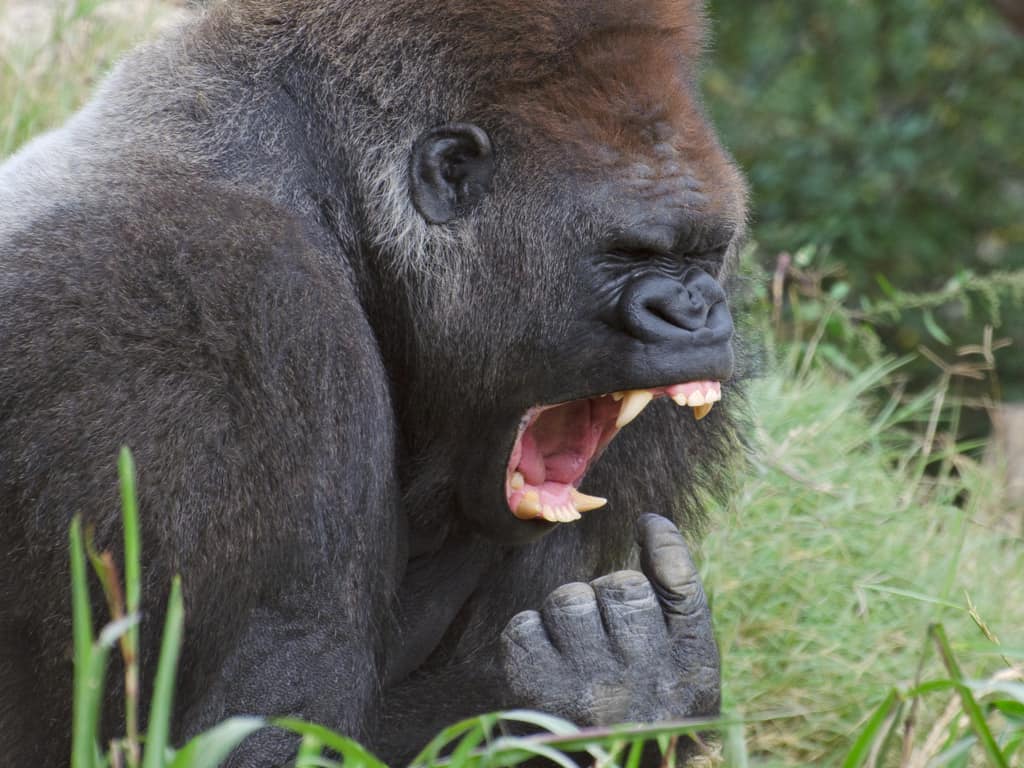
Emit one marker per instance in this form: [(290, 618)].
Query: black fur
[(219, 263)]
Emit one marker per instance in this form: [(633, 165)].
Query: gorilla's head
[(548, 220)]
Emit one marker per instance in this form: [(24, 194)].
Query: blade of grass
[(862, 746), (429, 754), (598, 742), (636, 753), (83, 728), (911, 595), (354, 754), (894, 726), (310, 751), (736, 754), (558, 727), (210, 749), (508, 751), (472, 739), (974, 714), (161, 706), (89, 696), (133, 599)]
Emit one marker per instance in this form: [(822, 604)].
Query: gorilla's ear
[(452, 167)]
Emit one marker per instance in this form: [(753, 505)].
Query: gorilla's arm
[(233, 359), (627, 647)]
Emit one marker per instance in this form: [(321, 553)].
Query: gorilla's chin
[(556, 445)]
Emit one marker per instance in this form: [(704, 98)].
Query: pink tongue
[(532, 462), (558, 447), (566, 467)]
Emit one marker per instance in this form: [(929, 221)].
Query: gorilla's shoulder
[(157, 262), (156, 225)]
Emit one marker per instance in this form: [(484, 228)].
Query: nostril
[(680, 309), (656, 307), (665, 307)]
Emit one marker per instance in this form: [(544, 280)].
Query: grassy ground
[(829, 566), (834, 558)]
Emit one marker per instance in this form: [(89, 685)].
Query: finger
[(525, 642), (573, 621), (665, 560), (632, 616)]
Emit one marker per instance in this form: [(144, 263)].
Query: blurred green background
[(884, 145)]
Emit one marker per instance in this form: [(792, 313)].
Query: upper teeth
[(701, 402), (633, 404)]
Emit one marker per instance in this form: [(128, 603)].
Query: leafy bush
[(885, 136)]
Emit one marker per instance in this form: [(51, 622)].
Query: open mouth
[(557, 444)]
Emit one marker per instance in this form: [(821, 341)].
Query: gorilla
[(370, 289)]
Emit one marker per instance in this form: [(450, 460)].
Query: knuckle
[(523, 623), (517, 639), (630, 588), (651, 523), (687, 600), (576, 598), (672, 550), (619, 580), (676, 571)]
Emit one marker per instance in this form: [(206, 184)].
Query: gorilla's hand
[(628, 647)]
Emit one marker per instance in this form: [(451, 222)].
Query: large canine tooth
[(633, 405), (702, 410), (584, 503), (517, 482), (529, 507)]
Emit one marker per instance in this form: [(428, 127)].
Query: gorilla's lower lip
[(556, 445)]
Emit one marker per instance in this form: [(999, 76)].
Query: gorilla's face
[(606, 219)]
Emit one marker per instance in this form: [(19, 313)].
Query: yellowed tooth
[(697, 399), (517, 482), (617, 396), (529, 506), (584, 503), (681, 400), (702, 410), (633, 405)]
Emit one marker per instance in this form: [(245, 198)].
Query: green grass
[(836, 573), (52, 53), (828, 568)]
